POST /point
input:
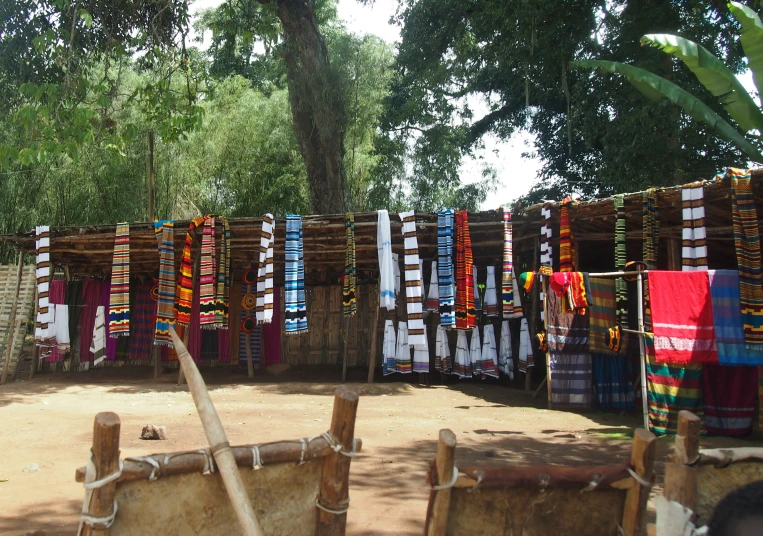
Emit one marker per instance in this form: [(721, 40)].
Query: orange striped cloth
[(465, 313), (566, 246)]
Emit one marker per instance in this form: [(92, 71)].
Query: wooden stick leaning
[(220, 448)]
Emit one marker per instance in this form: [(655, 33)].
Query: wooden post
[(642, 462), (674, 254), (335, 474), (680, 476), (36, 349), (439, 501), (374, 341), (106, 460), (187, 329), (12, 321)]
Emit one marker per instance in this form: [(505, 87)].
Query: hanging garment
[(421, 355), (423, 289), (194, 327), (119, 301), (185, 281), (442, 351), (650, 233), (475, 352), (402, 350), (489, 359), (505, 355), (546, 249), (207, 276), (61, 333), (518, 311), (396, 269), (566, 244), (465, 308), (682, 317), (477, 300), (294, 279), (621, 287), (73, 299), (122, 344), (672, 388), (602, 313), (264, 307), (414, 296), (389, 348), (98, 342), (91, 299), (165, 316), (526, 357), (386, 268), (577, 293), (42, 334), (729, 333), (349, 299), (508, 294), (570, 360), (56, 296), (445, 268), (250, 337), (694, 251), (271, 333), (612, 381), (143, 322), (491, 296), (433, 298), (462, 365), (730, 394), (222, 298)]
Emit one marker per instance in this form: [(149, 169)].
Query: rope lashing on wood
[(450, 484), (638, 478), (544, 478), (256, 458), (155, 467), (595, 479), (344, 504), (91, 484), (336, 447)]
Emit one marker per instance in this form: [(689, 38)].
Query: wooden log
[(545, 477), (187, 329), (12, 321), (680, 474), (218, 442), (374, 341), (724, 457), (106, 460), (687, 437), (642, 461), (335, 476), (439, 500)]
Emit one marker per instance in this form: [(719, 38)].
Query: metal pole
[(642, 353)]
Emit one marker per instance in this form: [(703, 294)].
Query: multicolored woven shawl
[(465, 313), (349, 298), (42, 331), (602, 313), (672, 388), (222, 299), (570, 360), (294, 278), (694, 235), (165, 315), (650, 233), (414, 299), (621, 287), (729, 333), (445, 268), (119, 297), (264, 309), (507, 276), (185, 284), (207, 276), (566, 245)]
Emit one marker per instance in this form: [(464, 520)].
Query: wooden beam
[(106, 460), (12, 321), (680, 474), (642, 462), (439, 500)]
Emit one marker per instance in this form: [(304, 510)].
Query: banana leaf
[(752, 40), (655, 87), (714, 75)]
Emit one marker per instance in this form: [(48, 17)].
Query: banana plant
[(713, 74)]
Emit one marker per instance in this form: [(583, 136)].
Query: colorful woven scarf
[(185, 284), (621, 288), (42, 332), (119, 297), (222, 299), (349, 299), (445, 268), (465, 314), (165, 315), (546, 250), (414, 299), (747, 244), (264, 310), (672, 388), (651, 228), (207, 276), (386, 265), (507, 288), (694, 251), (294, 279), (566, 246)]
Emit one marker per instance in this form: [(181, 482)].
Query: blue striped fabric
[(294, 281), (165, 316), (445, 267), (729, 332), (570, 362)]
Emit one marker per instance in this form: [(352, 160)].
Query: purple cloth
[(56, 295), (142, 323), (111, 342), (271, 333), (91, 299)]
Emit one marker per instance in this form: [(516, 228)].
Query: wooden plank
[(439, 500), (106, 460), (642, 461), (680, 474), (12, 323)]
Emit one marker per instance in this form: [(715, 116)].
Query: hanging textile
[(433, 297), (250, 337), (526, 357), (602, 313), (61, 333), (349, 299), (389, 348), (185, 281), (143, 321), (194, 327), (507, 275), (222, 299), (74, 300), (477, 300), (165, 316), (98, 342), (264, 308), (621, 287), (207, 275), (546, 249), (747, 245), (650, 233), (694, 251), (517, 300), (566, 245), (681, 317), (612, 381), (402, 350), (386, 268), (491, 296), (445, 267), (91, 299), (423, 289), (271, 333), (396, 270), (577, 293), (119, 301), (489, 358), (442, 351), (294, 280), (475, 352), (414, 297), (421, 356), (729, 332), (42, 334), (465, 310), (56, 297), (672, 388), (730, 395), (462, 365), (505, 355), (570, 360)]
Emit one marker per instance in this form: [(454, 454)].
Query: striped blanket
[(264, 309), (222, 298), (295, 308), (165, 315), (672, 388), (414, 298), (445, 268), (465, 312), (694, 235), (507, 275), (119, 299), (730, 394), (612, 381), (42, 334), (729, 332), (207, 275), (602, 313), (570, 360), (650, 233), (566, 245), (185, 281), (621, 288), (349, 299)]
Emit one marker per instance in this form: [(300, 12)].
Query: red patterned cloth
[(566, 246), (465, 314)]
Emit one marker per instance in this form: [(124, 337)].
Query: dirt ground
[(48, 421)]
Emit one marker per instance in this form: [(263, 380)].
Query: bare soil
[(48, 421)]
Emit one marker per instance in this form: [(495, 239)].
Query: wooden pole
[(106, 460), (642, 462), (218, 442), (439, 500), (642, 348), (187, 329), (533, 314), (150, 164), (12, 321), (335, 474), (374, 341), (36, 349), (680, 476)]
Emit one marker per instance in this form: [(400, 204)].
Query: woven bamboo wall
[(24, 310)]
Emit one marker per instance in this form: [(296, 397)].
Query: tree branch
[(481, 126)]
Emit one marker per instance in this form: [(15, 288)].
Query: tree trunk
[(316, 104)]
